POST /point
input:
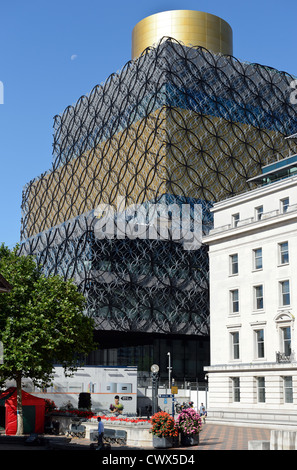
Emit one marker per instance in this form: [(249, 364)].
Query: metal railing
[(283, 357)]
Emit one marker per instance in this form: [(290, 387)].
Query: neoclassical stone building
[(253, 301)]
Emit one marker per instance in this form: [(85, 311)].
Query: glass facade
[(189, 354)]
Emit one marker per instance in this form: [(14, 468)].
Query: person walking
[(203, 413), (100, 432)]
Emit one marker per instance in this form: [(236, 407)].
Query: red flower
[(163, 425), (127, 420)]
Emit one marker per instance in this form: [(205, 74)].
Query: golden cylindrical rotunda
[(191, 27)]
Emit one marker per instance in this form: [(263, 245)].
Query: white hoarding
[(103, 383)]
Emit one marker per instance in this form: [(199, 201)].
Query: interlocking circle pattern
[(179, 123)]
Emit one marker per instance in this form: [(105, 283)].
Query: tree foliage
[(42, 321)]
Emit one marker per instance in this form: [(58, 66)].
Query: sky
[(53, 52)]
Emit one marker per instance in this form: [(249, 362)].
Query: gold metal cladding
[(157, 155), (191, 27)]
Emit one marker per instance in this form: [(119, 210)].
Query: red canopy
[(33, 411)]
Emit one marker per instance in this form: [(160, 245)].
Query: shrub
[(84, 401), (49, 405)]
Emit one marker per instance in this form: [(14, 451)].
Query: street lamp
[(155, 377), (155, 368), (169, 370)]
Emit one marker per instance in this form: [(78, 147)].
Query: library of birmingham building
[(183, 124)]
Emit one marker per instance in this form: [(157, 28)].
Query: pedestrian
[(203, 413), (100, 432)]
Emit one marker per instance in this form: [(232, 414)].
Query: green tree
[(42, 322)]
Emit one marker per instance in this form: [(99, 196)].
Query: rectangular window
[(283, 253), (258, 212), (258, 297), (235, 345), (284, 293), (258, 262), (236, 389), (285, 204), (234, 301), (288, 389), (286, 340), (261, 389), (233, 259), (235, 219), (259, 344)]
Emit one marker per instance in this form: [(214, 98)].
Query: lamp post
[(169, 370), (155, 377)]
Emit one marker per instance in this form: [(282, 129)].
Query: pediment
[(284, 316)]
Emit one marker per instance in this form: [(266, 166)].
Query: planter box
[(138, 434), (189, 440), (162, 442)]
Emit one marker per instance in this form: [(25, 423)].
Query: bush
[(49, 405), (84, 401)]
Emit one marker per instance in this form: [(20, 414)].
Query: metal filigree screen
[(177, 125)]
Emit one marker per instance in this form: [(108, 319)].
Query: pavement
[(212, 437), (226, 437)]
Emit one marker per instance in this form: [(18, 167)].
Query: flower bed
[(50, 408), (75, 413), (122, 419)]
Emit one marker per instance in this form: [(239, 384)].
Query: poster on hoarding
[(108, 386)]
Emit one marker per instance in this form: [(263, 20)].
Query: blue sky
[(52, 52)]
